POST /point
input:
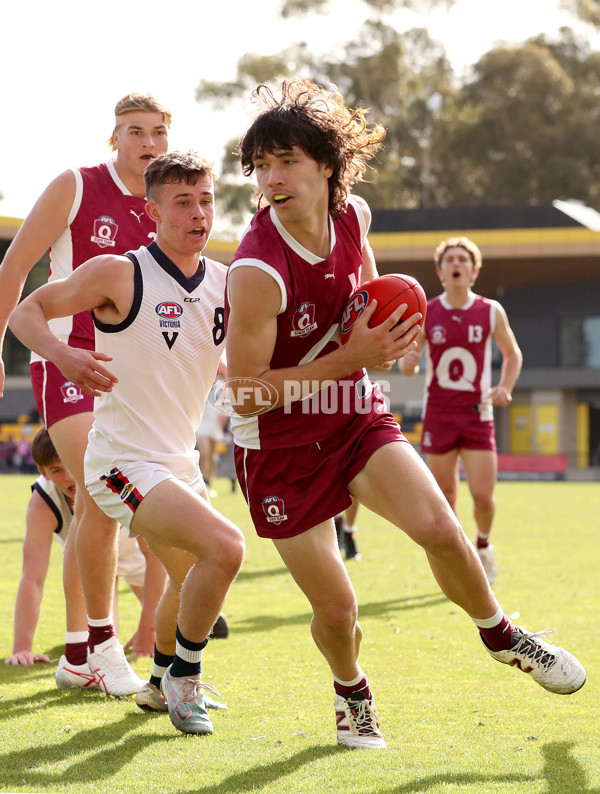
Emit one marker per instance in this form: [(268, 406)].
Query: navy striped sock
[(159, 668), (188, 657)]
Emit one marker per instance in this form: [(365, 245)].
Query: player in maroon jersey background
[(458, 420), (82, 213)]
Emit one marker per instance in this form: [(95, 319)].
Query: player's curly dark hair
[(316, 120)]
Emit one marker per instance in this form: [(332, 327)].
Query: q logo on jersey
[(274, 509), (438, 335), (354, 308), (303, 321), (105, 231)]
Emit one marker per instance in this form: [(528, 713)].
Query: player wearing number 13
[(458, 417)]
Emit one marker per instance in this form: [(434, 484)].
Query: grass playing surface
[(454, 719)]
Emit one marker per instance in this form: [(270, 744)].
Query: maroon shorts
[(291, 490), (444, 432), (55, 397)]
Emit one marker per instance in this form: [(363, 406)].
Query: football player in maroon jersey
[(310, 428), (458, 420)]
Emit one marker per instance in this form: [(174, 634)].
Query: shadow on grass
[(49, 698), (562, 773), (372, 609), (258, 777), (102, 752)]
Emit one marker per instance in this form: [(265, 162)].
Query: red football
[(389, 291)]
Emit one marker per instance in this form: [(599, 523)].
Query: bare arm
[(409, 364), (512, 359), (103, 284), (255, 299), (45, 223), (369, 268), (40, 526)]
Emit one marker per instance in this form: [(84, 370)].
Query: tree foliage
[(520, 128), (587, 10), (290, 8)]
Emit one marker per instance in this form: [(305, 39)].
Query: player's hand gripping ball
[(389, 291)]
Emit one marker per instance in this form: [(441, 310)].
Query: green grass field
[(454, 719)]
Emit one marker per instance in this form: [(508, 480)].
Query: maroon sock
[(99, 634), (499, 638), (76, 652), (346, 691), (483, 541)]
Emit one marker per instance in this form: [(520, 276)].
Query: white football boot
[(357, 724), (551, 667), (112, 670)]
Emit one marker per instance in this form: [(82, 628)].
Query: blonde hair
[(135, 102), (458, 242)]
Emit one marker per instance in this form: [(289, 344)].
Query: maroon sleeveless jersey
[(105, 219), (459, 364), (314, 292)]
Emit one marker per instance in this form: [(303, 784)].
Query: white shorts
[(131, 563), (119, 491), (211, 425)]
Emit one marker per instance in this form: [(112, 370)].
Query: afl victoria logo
[(168, 311)]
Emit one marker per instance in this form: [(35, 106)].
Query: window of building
[(580, 342)]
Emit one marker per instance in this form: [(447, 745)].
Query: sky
[(65, 64)]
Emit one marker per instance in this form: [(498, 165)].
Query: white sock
[(354, 681), (489, 623), (73, 637), (100, 621)]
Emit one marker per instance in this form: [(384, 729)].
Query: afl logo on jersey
[(105, 231), (354, 308), (168, 311), (303, 321), (169, 314)]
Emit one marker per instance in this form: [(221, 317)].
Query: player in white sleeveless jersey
[(159, 312), (458, 419), (306, 149), (82, 213)]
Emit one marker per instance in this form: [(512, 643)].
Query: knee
[(449, 491), (483, 501), (231, 549), (338, 616), (446, 536)]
